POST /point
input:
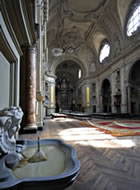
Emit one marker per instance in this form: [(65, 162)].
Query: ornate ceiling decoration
[(72, 22), (71, 29)]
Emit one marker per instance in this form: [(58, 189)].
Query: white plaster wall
[(16, 72), (4, 82)]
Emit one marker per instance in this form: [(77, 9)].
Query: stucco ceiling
[(71, 22), (77, 27), (84, 6)]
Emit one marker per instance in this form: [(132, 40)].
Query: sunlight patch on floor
[(112, 143), (124, 143), (89, 136), (63, 119), (79, 134)]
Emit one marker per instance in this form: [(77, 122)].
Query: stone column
[(39, 87), (101, 102), (29, 91), (98, 109), (114, 110), (50, 79), (39, 112), (51, 108), (113, 85), (123, 92), (129, 98)]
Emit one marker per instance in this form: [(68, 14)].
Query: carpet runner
[(115, 128)]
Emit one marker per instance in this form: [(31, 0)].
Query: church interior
[(73, 68)]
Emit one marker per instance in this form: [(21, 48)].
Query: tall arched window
[(104, 51), (79, 73), (133, 24)]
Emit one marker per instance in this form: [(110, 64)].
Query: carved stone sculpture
[(10, 119)]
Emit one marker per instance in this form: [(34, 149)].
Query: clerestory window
[(105, 51), (133, 24), (79, 73)]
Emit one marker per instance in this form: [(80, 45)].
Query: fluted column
[(29, 85)]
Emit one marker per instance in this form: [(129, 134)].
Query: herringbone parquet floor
[(107, 163)]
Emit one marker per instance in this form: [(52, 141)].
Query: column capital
[(32, 48)]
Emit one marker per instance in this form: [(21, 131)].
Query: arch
[(134, 89), (106, 96), (66, 71), (64, 59), (134, 76)]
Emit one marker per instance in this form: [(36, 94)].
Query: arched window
[(105, 51), (133, 23), (79, 73)]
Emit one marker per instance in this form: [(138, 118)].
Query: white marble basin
[(53, 166), (56, 173)]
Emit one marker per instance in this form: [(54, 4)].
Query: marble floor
[(107, 162)]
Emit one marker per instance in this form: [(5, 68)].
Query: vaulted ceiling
[(71, 22), (77, 27)]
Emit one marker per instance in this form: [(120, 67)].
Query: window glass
[(105, 51), (134, 21), (79, 73)]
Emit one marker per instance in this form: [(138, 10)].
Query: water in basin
[(54, 165)]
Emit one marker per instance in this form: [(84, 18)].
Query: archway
[(134, 89), (106, 96), (67, 74)]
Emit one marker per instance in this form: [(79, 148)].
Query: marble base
[(39, 126), (88, 109), (124, 108), (30, 128), (51, 111)]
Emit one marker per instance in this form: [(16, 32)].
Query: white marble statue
[(10, 119)]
